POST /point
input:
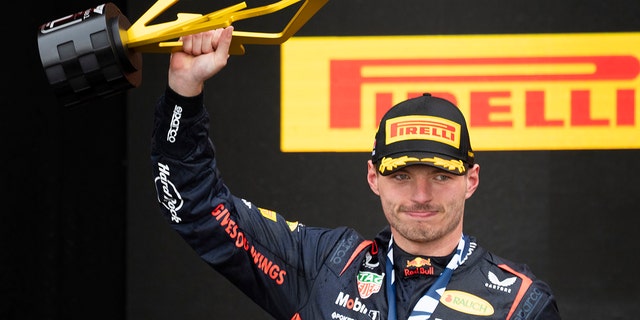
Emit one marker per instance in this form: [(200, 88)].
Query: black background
[(83, 238)]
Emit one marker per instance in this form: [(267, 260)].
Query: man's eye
[(401, 176), (442, 177)]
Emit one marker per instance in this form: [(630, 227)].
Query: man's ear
[(372, 177), (473, 180)]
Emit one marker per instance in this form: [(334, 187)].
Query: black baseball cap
[(424, 130)]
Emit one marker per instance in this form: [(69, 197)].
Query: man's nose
[(423, 191)]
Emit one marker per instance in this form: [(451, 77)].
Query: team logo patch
[(418, 262), (500, 285), (167, 192), (423, 128), (418, 266), (369, 283), (466, 303)]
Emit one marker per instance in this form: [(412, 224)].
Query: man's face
[(423, 204)]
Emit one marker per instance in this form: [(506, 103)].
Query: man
[(420, 267)]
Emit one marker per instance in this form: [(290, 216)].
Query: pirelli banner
[(518, 92)]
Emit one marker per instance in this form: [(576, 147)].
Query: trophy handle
[(143, 37)]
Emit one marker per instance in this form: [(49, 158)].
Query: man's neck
[(436, 248)]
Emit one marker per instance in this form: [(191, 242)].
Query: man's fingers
[(218, 40), (197, 44), (224, 41), (186, 43)]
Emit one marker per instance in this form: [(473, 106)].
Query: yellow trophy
[(97, 52)]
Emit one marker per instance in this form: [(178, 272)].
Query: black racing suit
[(295, 271)]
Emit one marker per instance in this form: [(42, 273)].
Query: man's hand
[(203, 55)]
